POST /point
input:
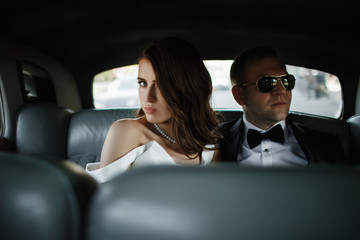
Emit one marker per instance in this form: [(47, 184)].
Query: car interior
[(50, 126)]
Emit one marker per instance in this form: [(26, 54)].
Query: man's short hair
[(237, 71)]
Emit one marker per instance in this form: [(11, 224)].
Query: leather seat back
[(42, 199), (337, 127), (87, 132), (227, 202), (50, 131)]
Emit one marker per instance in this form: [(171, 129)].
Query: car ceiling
[(77, 32), (94, 36)]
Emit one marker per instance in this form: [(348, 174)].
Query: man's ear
[(238, 94)]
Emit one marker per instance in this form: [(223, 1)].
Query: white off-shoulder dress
[(151, 153)]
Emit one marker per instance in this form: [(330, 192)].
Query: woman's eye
[(142, 83)]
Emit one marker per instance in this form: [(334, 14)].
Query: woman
[(176, 124)]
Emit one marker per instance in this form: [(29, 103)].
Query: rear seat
[(87, 132), (52, 132), (340, 128)]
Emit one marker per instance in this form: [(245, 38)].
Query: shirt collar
[(248, 125)]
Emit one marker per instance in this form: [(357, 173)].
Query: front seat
[(42, 199), (227, 202)]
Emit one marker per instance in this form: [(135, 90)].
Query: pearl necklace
[(164, 134)]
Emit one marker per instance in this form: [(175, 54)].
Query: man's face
[(263, 109)]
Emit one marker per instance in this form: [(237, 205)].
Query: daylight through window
[(315, 92)]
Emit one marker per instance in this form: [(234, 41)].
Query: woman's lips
[(149, 110)]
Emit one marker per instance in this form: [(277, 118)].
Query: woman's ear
[(238, 94)]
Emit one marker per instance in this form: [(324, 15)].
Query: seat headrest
[(42, 130)]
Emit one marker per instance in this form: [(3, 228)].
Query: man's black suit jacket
[(318, 147)]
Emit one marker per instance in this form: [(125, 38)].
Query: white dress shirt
[(269, 153)]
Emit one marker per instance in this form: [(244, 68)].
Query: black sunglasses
[(267, 83)]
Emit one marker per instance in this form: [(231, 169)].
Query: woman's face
[(152, 101)]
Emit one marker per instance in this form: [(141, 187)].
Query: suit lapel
[(235, 135), (301, 137), (236, 132)]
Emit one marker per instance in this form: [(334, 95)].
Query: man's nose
[(279, 87)]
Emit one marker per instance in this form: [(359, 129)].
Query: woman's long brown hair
[(186, 85)]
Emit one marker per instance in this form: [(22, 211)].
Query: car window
[(315, 92), (38, 86), (117, 87)]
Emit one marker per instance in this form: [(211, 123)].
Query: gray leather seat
[(42, 199), (51, 132), (42, 130), (87, 132), (227, 202), (337, 127)]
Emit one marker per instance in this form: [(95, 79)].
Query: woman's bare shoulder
[(129, 122), (132, 126), (123, 136)]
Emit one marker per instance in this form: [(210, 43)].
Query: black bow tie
[(275, 134)]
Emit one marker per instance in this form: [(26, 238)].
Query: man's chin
[(280, 116)]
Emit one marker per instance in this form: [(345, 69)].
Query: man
[(264, 136)]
